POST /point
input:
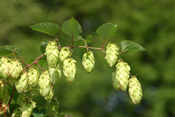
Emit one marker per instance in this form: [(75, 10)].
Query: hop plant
[(27, 108), (33, 76), (16, 113), (88, 61), (135, 90), (4, 66), (112, 54), (64, 53), (15, 69), (122, 74), (52, 54), (69, 69), (115, 81), (22, 83), (44, 84), (55, 74)]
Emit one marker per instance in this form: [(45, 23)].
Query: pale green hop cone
[(52, 54), (64, 53), (44, 84), (22, 83), (27, 108), (4, 66), (69, 69), (15, 69), (135, 90), (33, 76), (49, 96), (55, 73), (112, 51), (88, 61), (115, 82), (122, 74)]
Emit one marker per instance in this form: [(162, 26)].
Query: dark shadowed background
[(150, 23)]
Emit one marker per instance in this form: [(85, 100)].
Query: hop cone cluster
[(88, 61), (22, 83), (64, 53), (27, 108), (52, 54), (135, 90), (10, 68), (112, 54), (69, 69), (122, 74), (45, 83)]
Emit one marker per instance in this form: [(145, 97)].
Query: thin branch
[(14, 89), (103, 44), (40, 66), (23, 60)]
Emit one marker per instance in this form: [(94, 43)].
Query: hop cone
[(15, 69), (52, 54), (4, 66), (88, 61), (33, 76), (50, 95), (55, 74), (112, 54), (64, 53), (135, 90), (27, 108), (69, 69), (22, 83), (122, 74), (44, 84), (115, 81)]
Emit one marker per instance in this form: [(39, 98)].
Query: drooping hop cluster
[(122, 74), (52, 54), (88, 61), (22, 83), (64, 53), (69, 69), (135, 90), (45, 84), (112, 51), (10, 68), (27, 108)]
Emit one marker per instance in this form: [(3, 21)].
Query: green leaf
[(78, 38), (72, 28), (88, 39), (39, 113), (8, 49), (130, 46), (30, 61), (47, 28), (42, 61), (107, 30), (43, 46)]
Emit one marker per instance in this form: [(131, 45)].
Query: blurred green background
[(150, 23)]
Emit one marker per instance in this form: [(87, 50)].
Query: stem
[(14, 89), (103, 44), (72, 43), (40, 66), (34, 62), (23, 60)]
